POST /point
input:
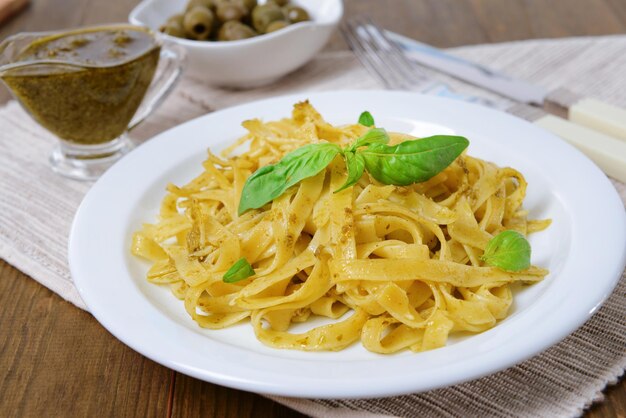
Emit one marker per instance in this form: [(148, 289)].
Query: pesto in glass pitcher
[(87, 87)]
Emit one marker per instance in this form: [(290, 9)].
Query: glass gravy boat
[(89, 87)]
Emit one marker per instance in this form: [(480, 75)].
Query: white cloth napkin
[(37, 207)]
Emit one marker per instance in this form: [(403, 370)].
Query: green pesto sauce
[(93, 102)]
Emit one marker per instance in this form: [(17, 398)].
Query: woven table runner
[(37, 208)]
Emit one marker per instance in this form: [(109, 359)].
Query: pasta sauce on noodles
[(394, 267)]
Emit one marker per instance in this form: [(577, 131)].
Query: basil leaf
[(271, 181), (240, 270), (412, 161), (509, 251), (373, 136), (356, 167), (366, 119)]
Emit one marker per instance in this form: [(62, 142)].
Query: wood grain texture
[(56, 360), (194, 398)]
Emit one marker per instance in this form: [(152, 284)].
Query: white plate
[(585, 250)]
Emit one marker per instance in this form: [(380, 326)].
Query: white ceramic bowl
[(249, 62)]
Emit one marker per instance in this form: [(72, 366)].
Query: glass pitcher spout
[(12, 51), (11, 48)]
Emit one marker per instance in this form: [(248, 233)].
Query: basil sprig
[(366, 119), (355, 163), (508, 250), (241, 270), (409, 162)]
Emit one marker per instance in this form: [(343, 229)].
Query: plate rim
[(290, 389)]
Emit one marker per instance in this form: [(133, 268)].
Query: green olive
[(209, 4), (173, 28), (230, 11), (250, 4), (233, 31), (280, 3), (198, 23), (276, 25), (265, 14), (178, 18), (296, 14)]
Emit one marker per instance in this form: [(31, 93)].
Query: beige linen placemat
[(37, 207)]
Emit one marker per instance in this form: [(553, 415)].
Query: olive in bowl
[(235, 31), (198, 23), (245, 60), (202, 20)]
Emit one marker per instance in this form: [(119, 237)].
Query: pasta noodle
[(394, 267)]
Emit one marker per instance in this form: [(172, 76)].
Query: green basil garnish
[(403, 164), (508, 250), (412, 161), (366, 119), (271, 181), (240, 270)]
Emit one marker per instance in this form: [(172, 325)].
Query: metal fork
[(384, 59)]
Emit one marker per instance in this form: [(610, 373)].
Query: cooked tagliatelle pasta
[(394, 267)]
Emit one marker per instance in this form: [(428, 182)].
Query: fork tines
[(381, 56)]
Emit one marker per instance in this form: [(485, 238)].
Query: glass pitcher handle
[(168, 73)]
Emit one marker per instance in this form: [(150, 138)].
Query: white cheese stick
[(607, 152), (599, 116)]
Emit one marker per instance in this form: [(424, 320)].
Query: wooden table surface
[(56, 360)]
